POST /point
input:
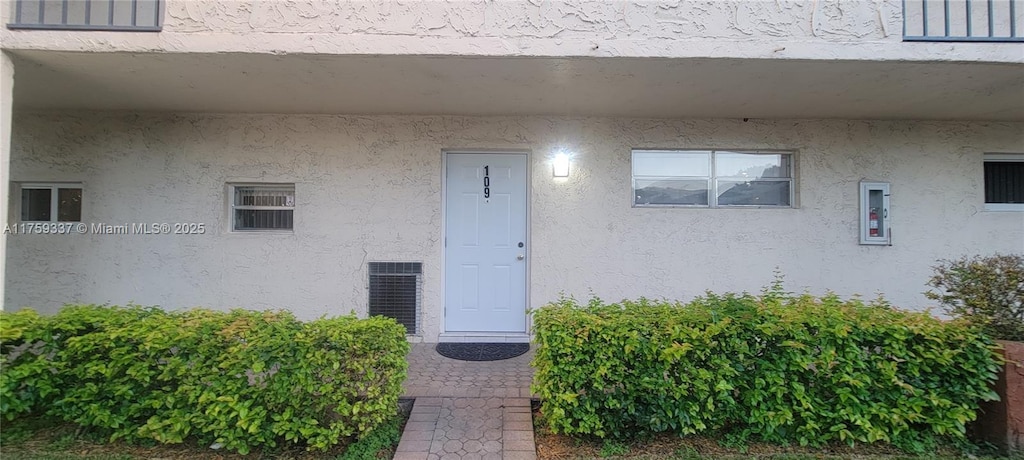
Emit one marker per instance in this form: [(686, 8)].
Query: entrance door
[(485, 244)]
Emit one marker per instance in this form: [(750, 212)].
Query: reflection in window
[(668, 191), (753, 193), (69, 204), (35, 204), (712, 178), (43, 202)]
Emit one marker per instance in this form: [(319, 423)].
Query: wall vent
[(395, 292)]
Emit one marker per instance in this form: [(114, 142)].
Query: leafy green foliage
[(774, 367), (242, 378), (987, 291), (612, 448), (369, 447), (26, 360)]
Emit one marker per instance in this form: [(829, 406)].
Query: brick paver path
[(431, 374), (467, 410)]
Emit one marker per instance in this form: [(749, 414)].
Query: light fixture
[(561, 165)]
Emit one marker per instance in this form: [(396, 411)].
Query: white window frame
[(713, 178), (232, 207), (998, 158), (884, 219), (54, 198)]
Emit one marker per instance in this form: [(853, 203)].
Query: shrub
[(241, 379), (369, 447), (776, 367), (987, 291), (26, 363)]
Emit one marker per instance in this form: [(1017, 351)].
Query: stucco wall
[(786, 29), (659, 20), (6, 101), (369, 189)]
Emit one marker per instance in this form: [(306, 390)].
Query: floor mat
[(482, 351)]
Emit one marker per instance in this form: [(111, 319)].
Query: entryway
[(467, 409), (485, 243)]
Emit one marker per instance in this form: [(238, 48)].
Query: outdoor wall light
[(561, 165)]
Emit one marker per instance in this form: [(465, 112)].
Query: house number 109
[(487, 181)]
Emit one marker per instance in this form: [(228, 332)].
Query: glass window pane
[(754, 166), (35, 204), (252, 219), (678, 192), (1004, 182), (69, 204), (672, 164), (753, 193)]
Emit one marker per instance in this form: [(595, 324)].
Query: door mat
[(482, 351)]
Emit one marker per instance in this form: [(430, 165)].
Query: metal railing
[(962, 20), (116, 15)]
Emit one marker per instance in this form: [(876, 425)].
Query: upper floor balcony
[(923, 20), (847, 59), (872, 30)]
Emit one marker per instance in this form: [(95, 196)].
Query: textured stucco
[(660, 20), (6, 111), (369, 189), (787, 29)]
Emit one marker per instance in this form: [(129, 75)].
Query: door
[(485, 243)]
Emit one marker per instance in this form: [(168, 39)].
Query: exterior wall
[(370, 189), (791, 29), (6, 111), (831, 20)]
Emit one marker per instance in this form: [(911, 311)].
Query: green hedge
[(776, 367), (242, 378)]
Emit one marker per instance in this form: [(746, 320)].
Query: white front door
[(485, 244)]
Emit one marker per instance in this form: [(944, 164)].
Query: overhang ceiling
[(627, 87)]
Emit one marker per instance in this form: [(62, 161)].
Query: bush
[(241, 379), (776, 367), (381, 439), (26, 363), (987, 291)]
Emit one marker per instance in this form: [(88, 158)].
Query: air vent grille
[(395, 292)]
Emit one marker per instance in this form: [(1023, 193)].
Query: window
[(1004, 182), (712, 178), (51, 202), (262, 207)]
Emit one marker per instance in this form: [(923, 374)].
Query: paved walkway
[(467, 410), (433, 375)]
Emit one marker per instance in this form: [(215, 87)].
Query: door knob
[(520, 257)]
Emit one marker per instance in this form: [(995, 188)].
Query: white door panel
[(485, 265)]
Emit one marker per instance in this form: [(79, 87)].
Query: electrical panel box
[(875, 224)]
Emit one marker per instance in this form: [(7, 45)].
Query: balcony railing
[(963, 20), (117, 15)]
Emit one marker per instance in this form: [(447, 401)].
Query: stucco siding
[(675, 20), (370, 189), (790, 29)]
